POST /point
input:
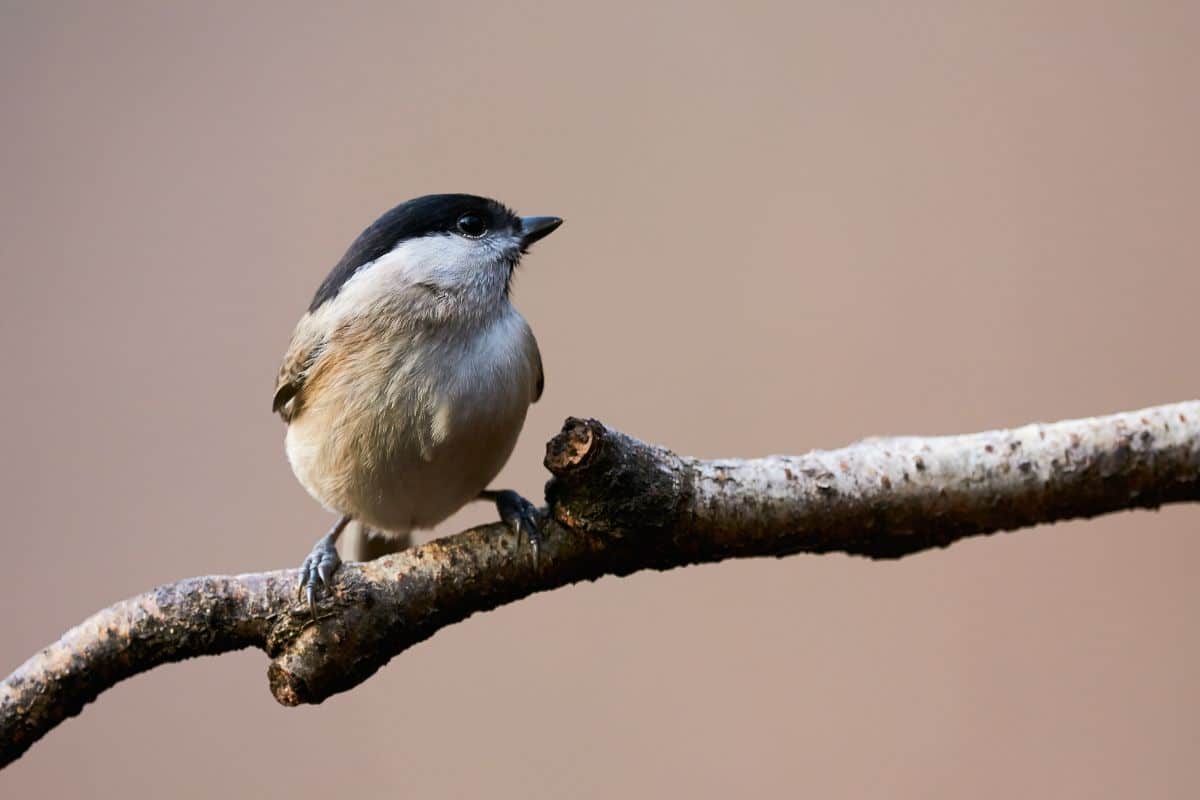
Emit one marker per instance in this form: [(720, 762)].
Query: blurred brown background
[(786, 229)]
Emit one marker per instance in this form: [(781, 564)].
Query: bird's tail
[(367, 544)]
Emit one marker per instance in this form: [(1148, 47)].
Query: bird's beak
[(534, 228)]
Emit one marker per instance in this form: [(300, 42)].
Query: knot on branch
[(608, 483), (570, 449)]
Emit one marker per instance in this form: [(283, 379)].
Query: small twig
[(619, 505)]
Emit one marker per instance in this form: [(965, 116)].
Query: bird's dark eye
[(472, 226)]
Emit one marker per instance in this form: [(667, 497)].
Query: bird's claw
[(522, 518), (316, 573)]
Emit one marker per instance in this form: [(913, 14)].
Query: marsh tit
[(408, 379)]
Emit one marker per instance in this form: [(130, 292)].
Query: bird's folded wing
[(307, 345), (533, 361), (540, 385)]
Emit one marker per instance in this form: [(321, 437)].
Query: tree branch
[(619, 505)]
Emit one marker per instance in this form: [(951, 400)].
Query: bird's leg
[(365, 544), (320, 565), (520, 515)]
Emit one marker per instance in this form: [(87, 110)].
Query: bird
[(408, 379)]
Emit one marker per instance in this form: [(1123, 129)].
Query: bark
[(618, 505)]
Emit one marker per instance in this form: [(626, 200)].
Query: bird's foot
[(521, 517), (318, 568)]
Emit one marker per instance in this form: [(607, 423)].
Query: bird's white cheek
[(454, 263), (472, 268), (438, 258)]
